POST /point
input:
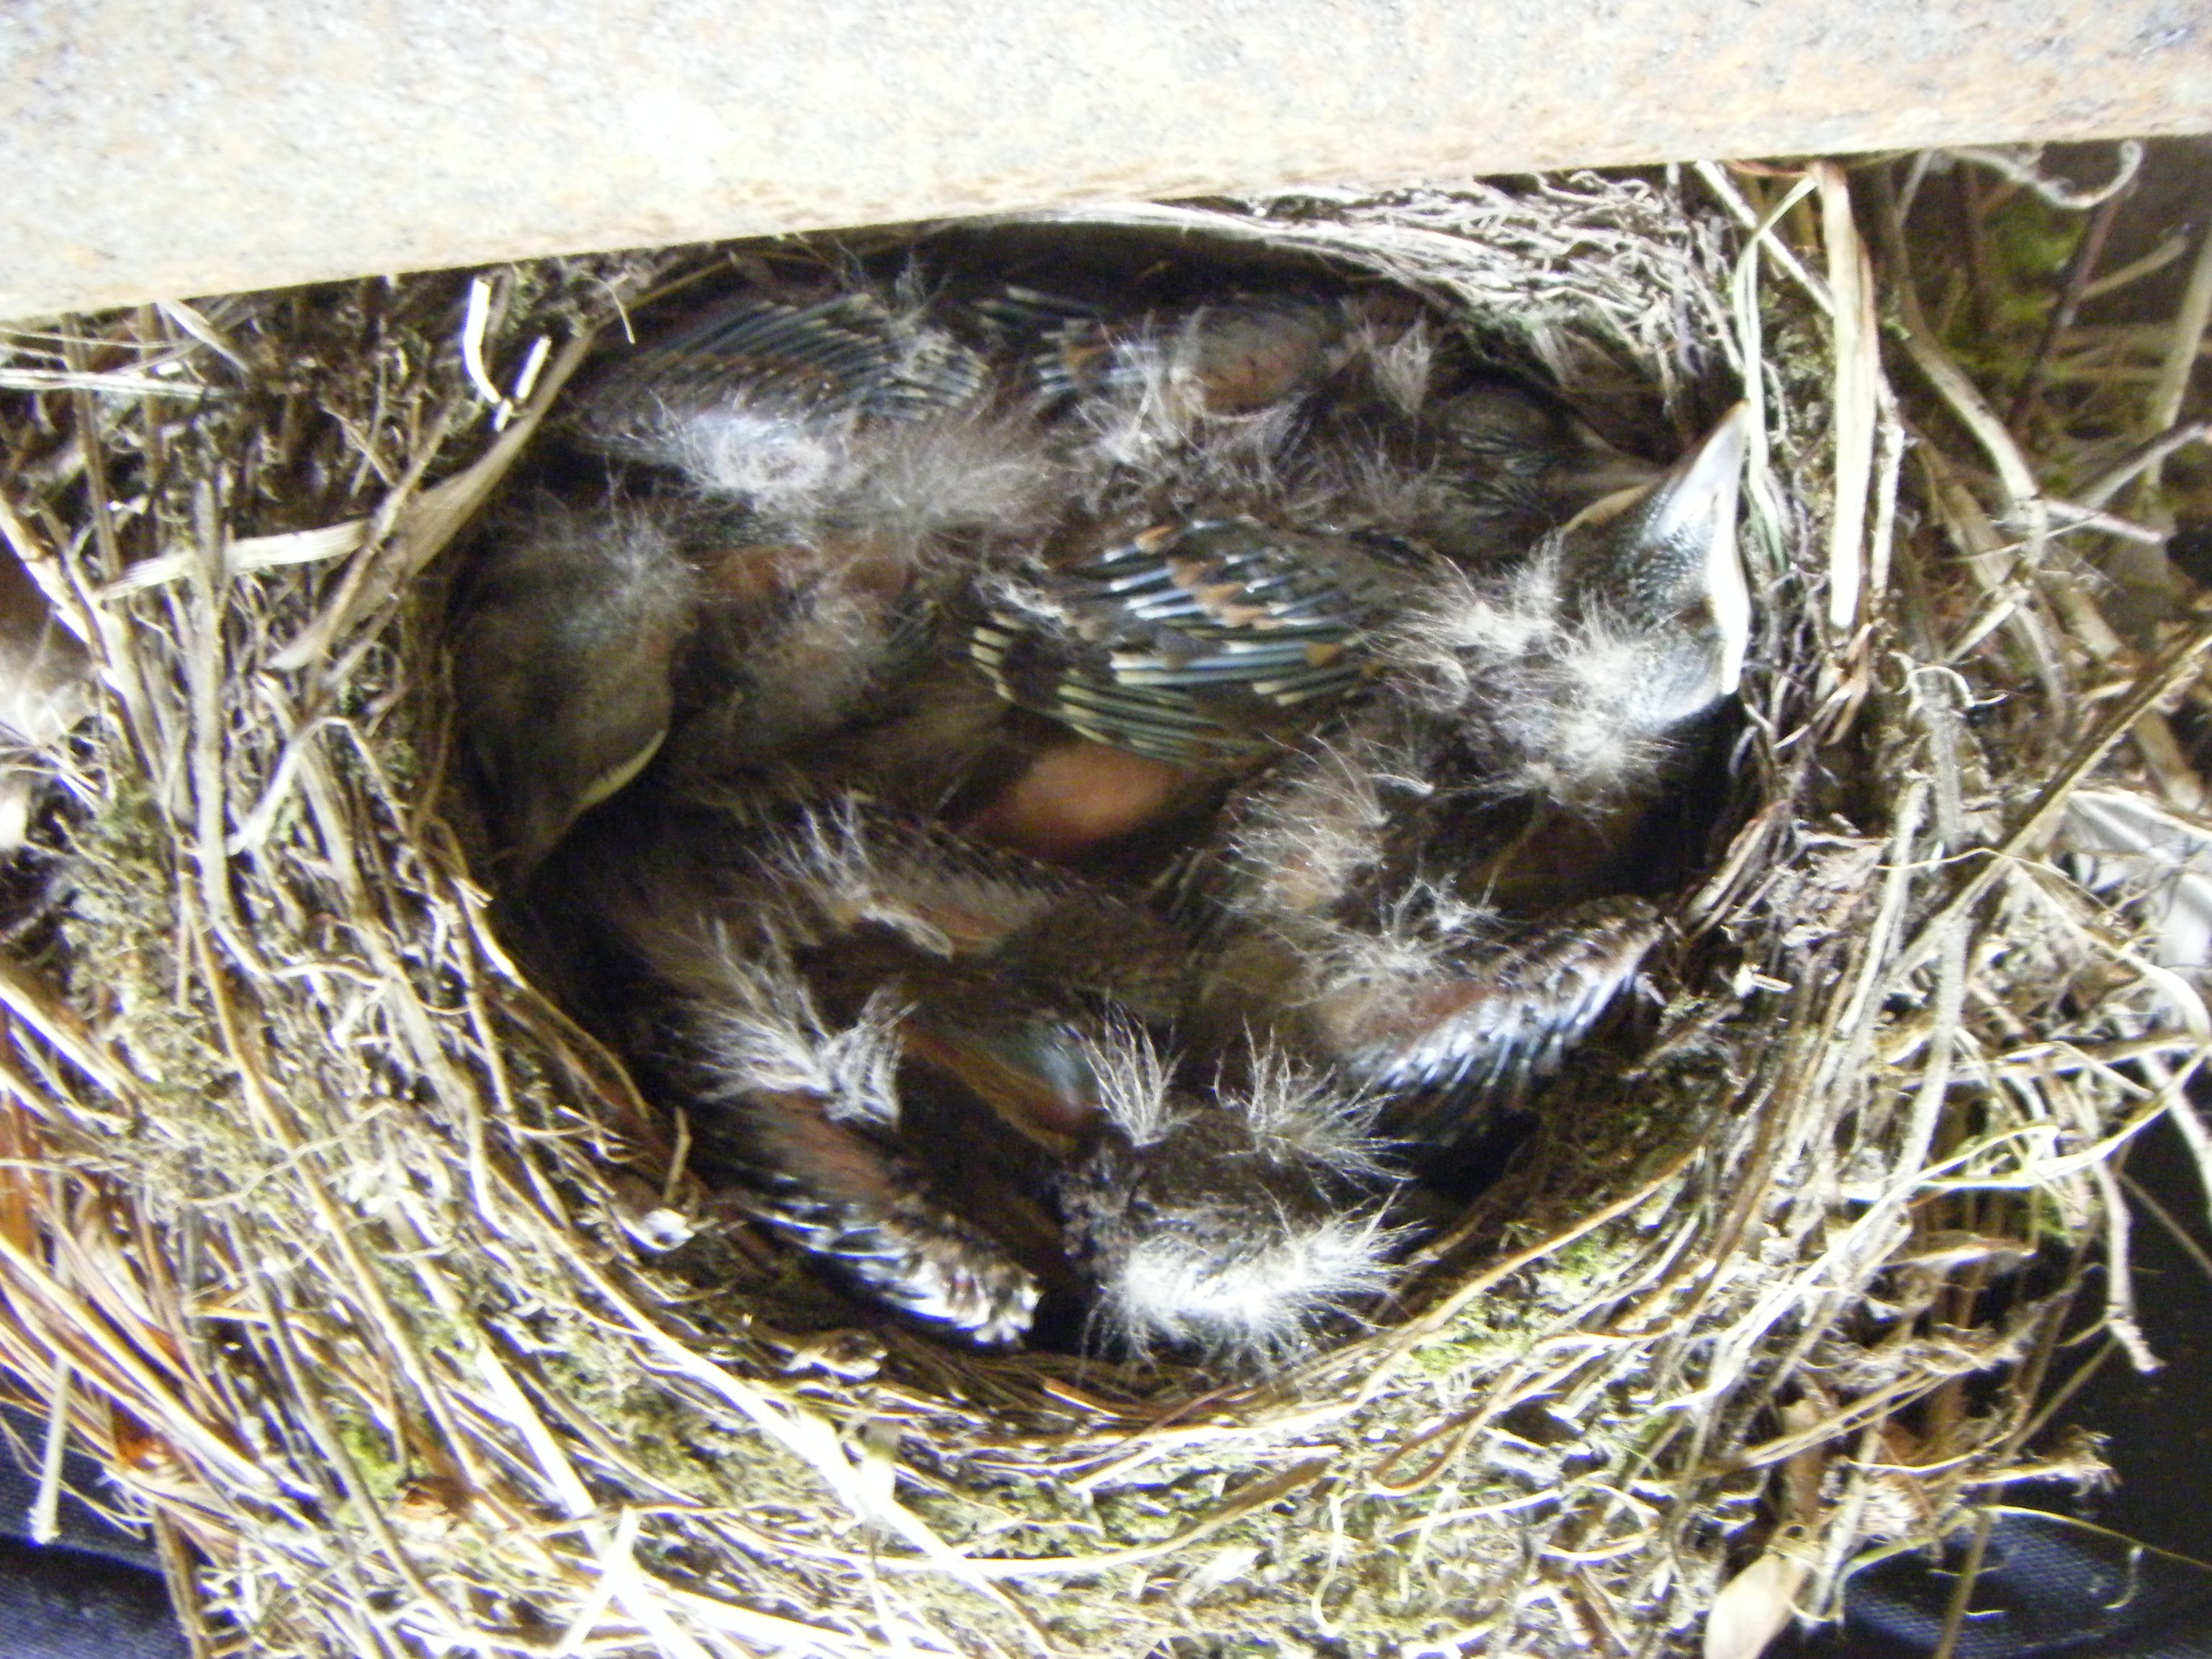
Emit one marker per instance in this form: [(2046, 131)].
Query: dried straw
[(351, 1256)]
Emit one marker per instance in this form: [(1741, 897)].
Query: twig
[(2048, 1409), (2165, 1218), (2176, 665), (2072, 515), (1766, 514), (196, 325), (1963, 397), (2119, 1273), (1773, 247), (2080, 265), (1983, 550), (2171, 248), (1857, 371), (45, 1507), (2183, 1111), (1974, 239), (2185, 341), (2146, 459), (2127, 163), (1962, 1593), (474, 322), (642, 1594), (203, 656)]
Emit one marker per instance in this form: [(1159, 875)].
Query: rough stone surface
[(156, 150)]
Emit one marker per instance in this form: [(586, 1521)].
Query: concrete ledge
[(155, 151)]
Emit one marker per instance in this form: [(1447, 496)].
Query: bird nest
[(401, 1315)]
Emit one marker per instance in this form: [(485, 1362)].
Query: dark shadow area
[(2120, 1573)]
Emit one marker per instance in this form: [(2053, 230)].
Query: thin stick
[(2080, 265), (1962, 1593), (45, 1507), (2183, 344), (1859, 367), (1785, 259), (2144, 461), (2158, 259), (2178, 664), (2125, 165), (2119, 1273), (2165, 1218)]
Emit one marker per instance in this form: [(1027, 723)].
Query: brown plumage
[(894, 594)]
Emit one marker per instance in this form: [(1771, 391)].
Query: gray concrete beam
[(150, 149)]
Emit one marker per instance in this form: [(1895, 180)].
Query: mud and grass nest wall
[(386, 1299)]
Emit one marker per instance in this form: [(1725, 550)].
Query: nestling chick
[(1363, 880), (822, 463), (563, 661), (1473, 465), (1164, 390), (1226, 1220), (805, 1113), (1217, 641), (1232, 1227), (1454, 1028), (1392, 901), (1443, 1025), (788, 972), (853, 413), (1196, 640), (799, 980), (1569, 671), (1380, 912), (713, 935)]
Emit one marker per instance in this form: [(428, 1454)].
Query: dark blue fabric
[(79, 1526), (57, 1603), (96, 1592), (2048, 1588)]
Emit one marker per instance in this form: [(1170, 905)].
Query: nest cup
[(391, 1303)]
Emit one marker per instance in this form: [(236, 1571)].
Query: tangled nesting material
[(368, 1277)]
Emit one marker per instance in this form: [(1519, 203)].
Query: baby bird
[(1202, 398), (1226, 1221), (805, 1113), (1480, 467), (851, 405), (811, 469), (1542, 711), (1423, 971), (1198, 642), (1232, 1227), (707, 939), (933, 1068), (1569, 671), (564, 658), (1199, 645)]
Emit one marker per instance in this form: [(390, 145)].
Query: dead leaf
[(1753, 1607)]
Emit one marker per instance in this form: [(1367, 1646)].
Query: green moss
[(2032, 240), (1483, 1335), (378, 1463)]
